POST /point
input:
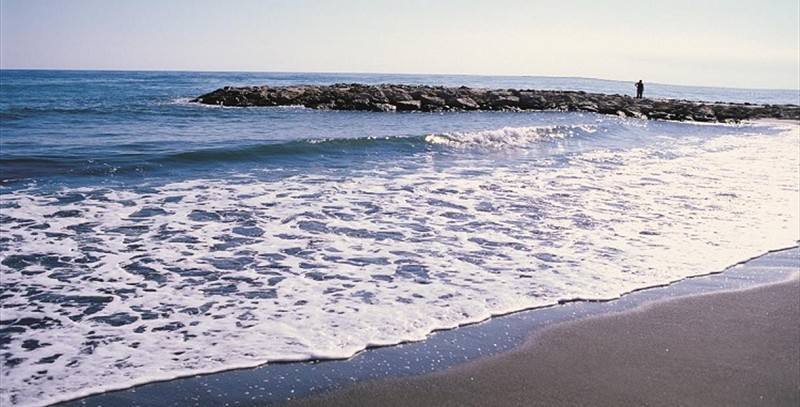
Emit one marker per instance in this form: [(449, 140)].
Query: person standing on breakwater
[(639, 89)]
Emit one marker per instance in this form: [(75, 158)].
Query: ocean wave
[(125, 162), (509, 136), (294, 147)]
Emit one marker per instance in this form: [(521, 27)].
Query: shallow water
[(145, 238)]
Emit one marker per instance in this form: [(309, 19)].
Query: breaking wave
[(13, 168), (509, 137)]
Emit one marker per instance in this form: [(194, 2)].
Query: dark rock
[(397, 95), (431, 102), (704, 114), (659, 115), (502, 101), (404, 98), (384, 107), (465, 103), (531, 101), (408, 105)]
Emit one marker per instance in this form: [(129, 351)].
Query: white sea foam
[(207, 275), (508, 136)]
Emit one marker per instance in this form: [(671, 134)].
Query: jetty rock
[(409, 98)]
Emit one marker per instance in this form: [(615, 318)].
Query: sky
[(752, 44)]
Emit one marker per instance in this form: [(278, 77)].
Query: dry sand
[(735, 348)]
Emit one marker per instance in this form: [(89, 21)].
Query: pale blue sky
[(722, 43)]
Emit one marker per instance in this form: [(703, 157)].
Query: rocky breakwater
[(402, 98)]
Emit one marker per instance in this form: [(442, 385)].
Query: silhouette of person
[(639, 89)]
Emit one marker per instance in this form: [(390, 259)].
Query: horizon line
[(386, 73)]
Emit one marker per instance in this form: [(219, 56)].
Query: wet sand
[(723, 349)]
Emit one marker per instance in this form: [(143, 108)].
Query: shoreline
[(277, 381), (739, 347), (422, 98)]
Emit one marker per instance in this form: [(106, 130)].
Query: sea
[(144, 237)]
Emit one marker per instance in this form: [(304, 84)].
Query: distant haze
[(753, 44)]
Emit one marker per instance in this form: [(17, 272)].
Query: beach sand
[(722, 349)]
